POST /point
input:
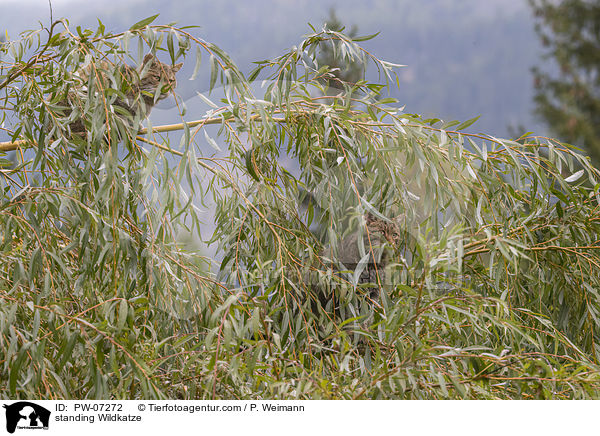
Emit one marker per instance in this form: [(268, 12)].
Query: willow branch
[(12, 76), (22, 143), (13, 145)]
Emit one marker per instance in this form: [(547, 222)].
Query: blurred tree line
[(570, 101)]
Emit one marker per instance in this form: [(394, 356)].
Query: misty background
[(464, 58)]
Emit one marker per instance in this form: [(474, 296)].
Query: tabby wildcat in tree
[(137, 89)]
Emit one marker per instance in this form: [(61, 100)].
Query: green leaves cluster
[(491, 292)]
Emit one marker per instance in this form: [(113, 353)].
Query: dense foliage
[(569, 101), (491, 292)]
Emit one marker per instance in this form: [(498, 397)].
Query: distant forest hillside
[(464, 57)]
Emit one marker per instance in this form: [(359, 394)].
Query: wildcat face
[(154, 74)]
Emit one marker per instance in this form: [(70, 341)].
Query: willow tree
[(491, 276)]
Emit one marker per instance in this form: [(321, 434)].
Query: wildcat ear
[(147, 58), (177, 67)]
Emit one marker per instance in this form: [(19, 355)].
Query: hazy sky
[(464, 57)]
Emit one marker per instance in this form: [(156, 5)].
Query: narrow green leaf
[(170, 47), (249, 158), (123, 309), (15, 369), (213, 72), (365, 38), (468, 123), (198, 62), (144, 22)]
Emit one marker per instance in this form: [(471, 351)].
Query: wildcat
[(380, 239), (135, 89)]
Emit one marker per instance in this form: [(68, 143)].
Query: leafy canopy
[(491, 292)]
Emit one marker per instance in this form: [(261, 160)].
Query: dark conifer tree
[(343, 71), (569, 100)]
